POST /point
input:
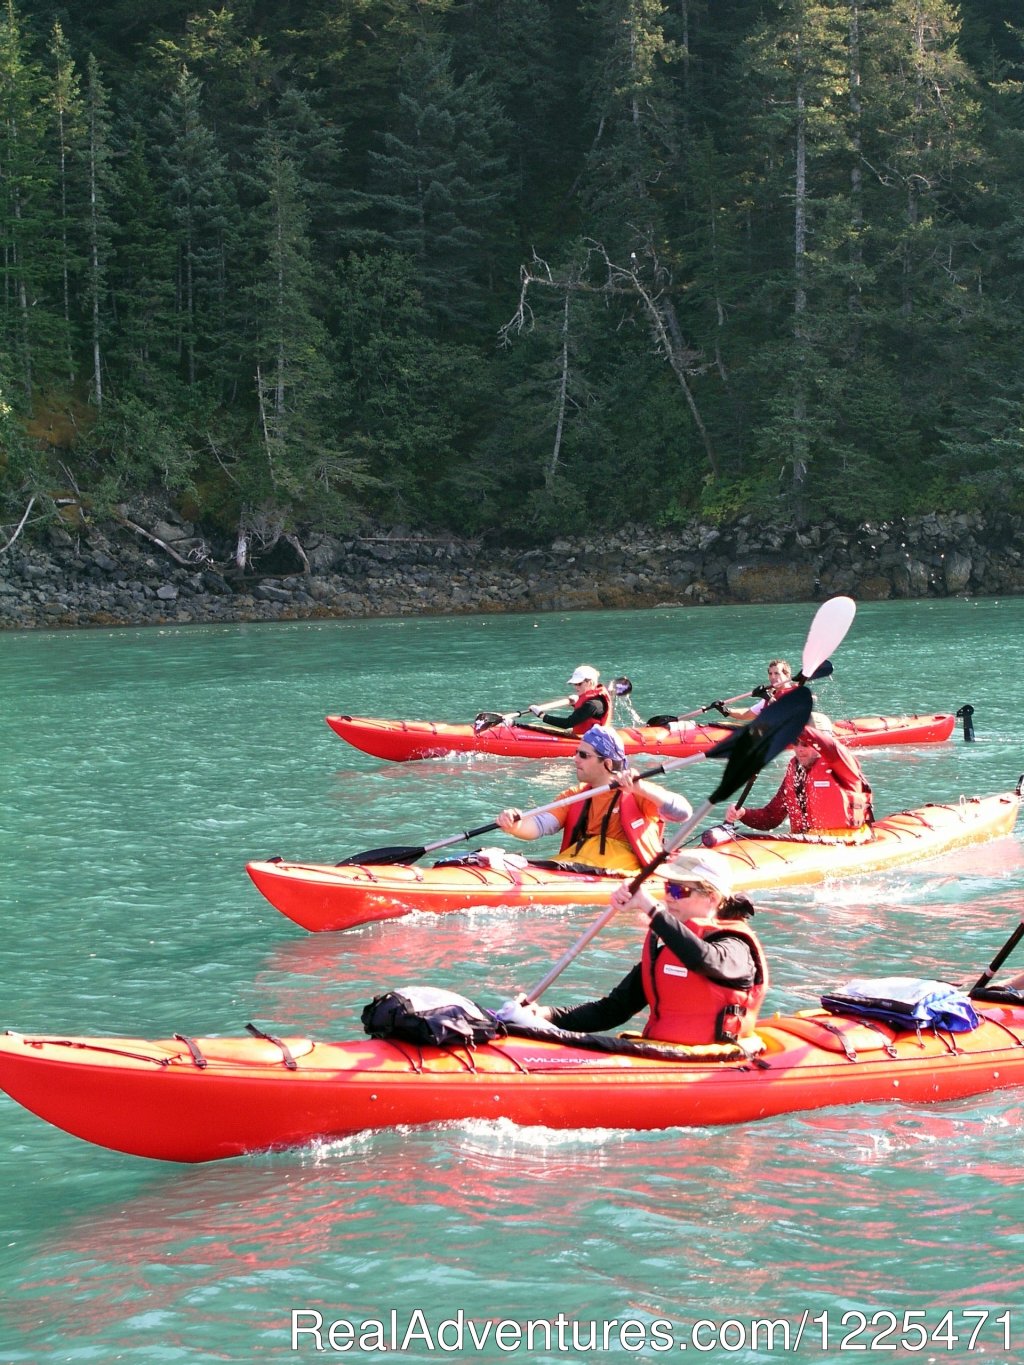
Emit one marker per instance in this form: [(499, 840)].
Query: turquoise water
[(141, 769)]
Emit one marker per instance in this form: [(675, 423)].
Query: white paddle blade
[(831, 622)]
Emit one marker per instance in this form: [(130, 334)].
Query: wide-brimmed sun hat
[(695, 867)]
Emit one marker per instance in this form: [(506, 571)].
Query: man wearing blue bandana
[(619, 829)]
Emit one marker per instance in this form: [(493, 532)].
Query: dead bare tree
[(20, 526), (649, 284)]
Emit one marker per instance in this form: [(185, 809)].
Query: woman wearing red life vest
[(702, 973), (618, 829), (823, 791), (591, 703)]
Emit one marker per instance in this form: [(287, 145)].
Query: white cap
[(584, 674), (695, 867)]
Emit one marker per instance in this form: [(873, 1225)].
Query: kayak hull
[(225, 1097), (403, 740), (322, 897)]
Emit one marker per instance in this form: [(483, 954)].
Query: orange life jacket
[(643, 832), (687, 1007)]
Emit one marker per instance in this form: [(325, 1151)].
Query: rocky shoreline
[(165, 572)]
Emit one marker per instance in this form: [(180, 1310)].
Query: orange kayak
[(403, 740), (198, 1099), (321, 896)]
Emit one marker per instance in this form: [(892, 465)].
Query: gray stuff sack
[(904, 1002)]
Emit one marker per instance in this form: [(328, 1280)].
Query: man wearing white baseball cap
[(703, 976), (591, 703)]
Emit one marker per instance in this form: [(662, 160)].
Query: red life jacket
[(604, 696), (643, 833), (687, 1007), (836, 797)]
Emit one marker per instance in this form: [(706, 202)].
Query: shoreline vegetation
[(508, 274), (158, 569)]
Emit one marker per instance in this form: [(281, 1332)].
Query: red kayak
[(197, 1099), (402, 740), (321, 896)]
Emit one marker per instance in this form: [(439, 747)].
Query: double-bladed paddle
[(486, 720), (823, 670), (408, 853), (754, 745), (828, 629)]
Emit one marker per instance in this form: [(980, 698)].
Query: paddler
[(591, 703), (823, 791), (619, 829), (702, 972), (780, 681)]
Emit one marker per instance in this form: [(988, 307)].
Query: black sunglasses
[(682, 891)]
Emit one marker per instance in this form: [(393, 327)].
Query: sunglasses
[(682, 891), (585, 753)]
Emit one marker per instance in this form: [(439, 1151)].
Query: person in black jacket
[(702, 976), (591, 703)]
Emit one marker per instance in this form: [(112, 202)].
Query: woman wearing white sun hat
[(703, 976), (591, 703)]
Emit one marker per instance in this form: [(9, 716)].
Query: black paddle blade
[(381, 857), (622, 686), (486, 720), (824, 670), (758, 742)]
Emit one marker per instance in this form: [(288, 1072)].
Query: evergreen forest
[(530, 266)]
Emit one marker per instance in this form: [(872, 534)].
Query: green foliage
[(441, 183), (776, 258), (134, 446)]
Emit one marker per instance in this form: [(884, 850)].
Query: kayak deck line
[(784, 1037)]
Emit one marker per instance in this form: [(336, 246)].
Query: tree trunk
[(799, 443), (549, 473)]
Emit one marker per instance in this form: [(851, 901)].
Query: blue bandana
[(605, 741)]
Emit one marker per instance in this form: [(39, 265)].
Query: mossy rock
[(772, 583), (874, 589)]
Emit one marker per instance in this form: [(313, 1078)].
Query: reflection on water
[(881, 1205)]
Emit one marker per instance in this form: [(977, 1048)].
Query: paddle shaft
[(535, 992), (702, 710), (406, 853), (999, 959), (821, 669), (620, 686)]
